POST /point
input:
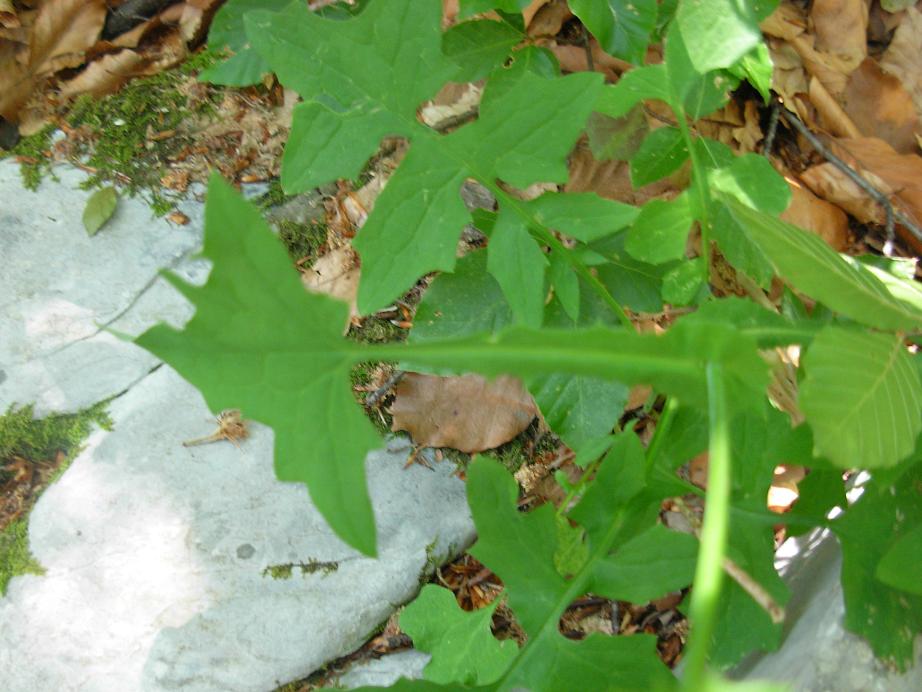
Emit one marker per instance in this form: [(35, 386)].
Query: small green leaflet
[(99, 209), (862, 397), (622, 27), (660, 231), (471, 7), (227, 31), (463, 648), (811, 266), (718, 32), (518, 265), (889, 618)]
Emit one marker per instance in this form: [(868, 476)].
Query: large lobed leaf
[(366, 80)]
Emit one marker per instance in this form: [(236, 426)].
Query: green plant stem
[(714, 531), (701, 191)]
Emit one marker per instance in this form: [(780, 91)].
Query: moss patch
[(43, 448), (302, 240), (312, 566)]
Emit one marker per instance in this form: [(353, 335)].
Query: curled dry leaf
[(106, 74), (62, 32), (468, 412)]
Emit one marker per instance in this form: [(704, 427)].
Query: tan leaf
[(817, 215), (841, 28), (786, 22), (336, 274), (879, 106), (106, 74), (467, 413), (611, 179), (8, 17), (62, 32), (545, 17), (903, 58)]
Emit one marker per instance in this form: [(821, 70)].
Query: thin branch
[(855, 177)]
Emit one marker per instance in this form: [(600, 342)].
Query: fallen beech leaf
[(468, 412), (817, 215), (178, 218), (880, 106), (783, 491), (903, 57), (63, 30), (897, 175), (336, 274)]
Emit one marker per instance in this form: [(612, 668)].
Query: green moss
[(377, 330), (15, 557), (312, 566), (22, 435), (34, 163), (121, 151), (38, 440), (273, 197), (302, 240)]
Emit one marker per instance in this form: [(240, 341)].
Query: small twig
[(455, 121), (373, 398), (590, 63), (772, 129), (853, 175)]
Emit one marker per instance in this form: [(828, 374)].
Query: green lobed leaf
[(634, 87), (99, 209), (660, 232), (901, 566), (578, 409), (636, 285), (616, 138), (697, 93), (479, 46), (538, 595), (259, 342), (811, 266), (738, 246), (683, 283), (889, 618), (718, 32), (565, 283), (462, 645), (862, 397), (757, 68), (622, 27), (662, 153), (227, 31)]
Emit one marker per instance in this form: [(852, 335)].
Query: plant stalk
[(705, 595), (701, 191)]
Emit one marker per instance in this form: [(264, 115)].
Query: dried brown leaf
[(880, 106), (903, 57), (841, 28), (817, 215), (336, 274), (467, 412), (106, 74), (63, 31), (8, 17)]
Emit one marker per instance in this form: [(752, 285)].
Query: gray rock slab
[(384, 671), (59, 289), (156, 559), (818, 654)]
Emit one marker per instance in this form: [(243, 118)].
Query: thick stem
[(714, 531)]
